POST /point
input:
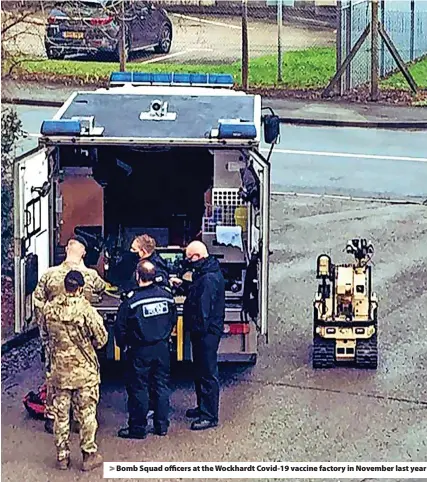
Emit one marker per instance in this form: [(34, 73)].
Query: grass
[(303, 69), (418, 71)]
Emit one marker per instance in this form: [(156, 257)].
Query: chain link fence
[(406, 24)]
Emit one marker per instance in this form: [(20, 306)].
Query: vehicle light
[(330, 331), (101, 21), (237, 329), (360, 331), (51, 19)]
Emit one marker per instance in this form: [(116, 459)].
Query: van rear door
[(32, 229), (259, 236)]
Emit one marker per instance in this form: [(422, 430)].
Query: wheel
[(323, 353), (367, 353), (53, 55), (165, 40)]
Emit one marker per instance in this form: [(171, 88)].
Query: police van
[(174, 156)]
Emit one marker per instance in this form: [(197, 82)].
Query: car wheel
[(165, 40), (52, 55)]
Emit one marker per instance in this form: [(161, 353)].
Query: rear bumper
[(76, 47)]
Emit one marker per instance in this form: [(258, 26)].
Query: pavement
[(327, 112)]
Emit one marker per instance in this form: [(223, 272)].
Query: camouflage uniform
[(51, 284), (74, 329)]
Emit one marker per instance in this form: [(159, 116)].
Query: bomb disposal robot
[(345, 311)]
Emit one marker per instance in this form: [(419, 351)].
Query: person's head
[(145, 273), (196, 251), (144, 245), (74, 282), (76, 249)]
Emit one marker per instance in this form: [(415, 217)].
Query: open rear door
[(32, 226), (258, 181)]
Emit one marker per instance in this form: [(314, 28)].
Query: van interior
[(111, 194)]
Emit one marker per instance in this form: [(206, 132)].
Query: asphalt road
[(282, 410), (199, 39)]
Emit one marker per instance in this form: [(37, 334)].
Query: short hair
[(147, 243), (73, 281), (145, 271)]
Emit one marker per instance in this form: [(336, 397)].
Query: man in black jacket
[(204, 312), (145, 247), (144, 325)]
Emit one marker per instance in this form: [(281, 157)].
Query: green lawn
[(304, 69), (418, 71), (308, 68)]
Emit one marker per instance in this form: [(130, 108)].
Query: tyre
[(323, 353), (54, 55), (367, 353), (165, 42)]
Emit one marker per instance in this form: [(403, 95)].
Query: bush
[(11, 130)]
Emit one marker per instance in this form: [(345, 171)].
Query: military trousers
[(84, 402), (147, 385), (206, 381)]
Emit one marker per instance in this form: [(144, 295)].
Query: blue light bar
[(237, 130), (171, 79), (64, 127)]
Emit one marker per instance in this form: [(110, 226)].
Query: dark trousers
[(148, 381), (205, 362)]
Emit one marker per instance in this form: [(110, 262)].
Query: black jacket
[(162, 273), (204, 307), (146, 316)]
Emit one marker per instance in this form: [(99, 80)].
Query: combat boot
[(91, 461), (63, 464)]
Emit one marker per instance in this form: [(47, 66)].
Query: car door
[(144, 24)]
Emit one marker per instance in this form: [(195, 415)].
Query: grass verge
[(418, 71), (305, 69)]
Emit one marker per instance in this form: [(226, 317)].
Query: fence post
[(279, 41), (348, 36), (339, 41), (382, 49), (412, 32), (245, 50), (374, 50)]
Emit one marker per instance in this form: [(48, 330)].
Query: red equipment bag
[(35, 403)]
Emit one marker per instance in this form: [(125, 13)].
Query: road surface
[(281, 410)]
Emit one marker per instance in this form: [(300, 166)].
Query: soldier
[(51, 284), (74, 330), (143, 326)]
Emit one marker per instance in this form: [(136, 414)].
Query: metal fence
[(405, 22)]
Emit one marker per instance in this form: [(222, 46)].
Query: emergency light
[(76, 126), (171, 79), (236, 129), (61, 127)]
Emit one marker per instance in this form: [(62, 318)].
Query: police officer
[(144, 247), (204, 312), (50, 285), (144, 323), (74, 330)]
